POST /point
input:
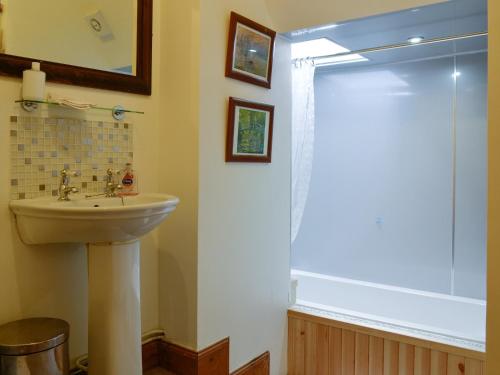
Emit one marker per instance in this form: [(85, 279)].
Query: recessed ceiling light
[(456, 74), (415, 39)]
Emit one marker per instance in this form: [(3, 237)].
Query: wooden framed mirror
[(95, 48)]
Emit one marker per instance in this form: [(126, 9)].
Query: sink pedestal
[(114, 309)]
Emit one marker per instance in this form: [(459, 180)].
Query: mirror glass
[(96, 34)]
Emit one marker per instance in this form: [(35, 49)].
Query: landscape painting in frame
[(249, 132), (250, 51)]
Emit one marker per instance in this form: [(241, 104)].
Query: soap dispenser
[(33, 83), (129, 181)]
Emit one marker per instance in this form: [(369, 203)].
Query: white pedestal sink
[(111, 227)]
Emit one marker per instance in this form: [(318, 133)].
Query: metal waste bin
[(36, 346)]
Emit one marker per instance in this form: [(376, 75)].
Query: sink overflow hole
[(96, 205)]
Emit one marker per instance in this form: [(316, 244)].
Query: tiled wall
[(41, 147)]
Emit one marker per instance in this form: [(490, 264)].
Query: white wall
[(381, 187), (244, 209), (382, 153), (178, 168), (52, 280), (472, 176)]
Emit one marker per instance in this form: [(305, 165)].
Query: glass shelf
[(118, 112)]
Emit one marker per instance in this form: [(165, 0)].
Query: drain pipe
[(82, 363)]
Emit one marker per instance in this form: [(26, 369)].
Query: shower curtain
[(302, 138)]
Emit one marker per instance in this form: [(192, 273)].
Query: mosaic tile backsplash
[(41, 147)]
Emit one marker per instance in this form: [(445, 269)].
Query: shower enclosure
[(395, 201)]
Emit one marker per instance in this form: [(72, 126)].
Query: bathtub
[(441, 318)]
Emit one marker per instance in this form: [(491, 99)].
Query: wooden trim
[(178, 359), (230, 157), (390, 336), (213, 360), (11, 65), (238, 19), (258, 366)]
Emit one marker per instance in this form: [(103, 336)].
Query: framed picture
[(249, 132), (250, 51)]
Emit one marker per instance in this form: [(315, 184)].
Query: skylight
[(320, 48)]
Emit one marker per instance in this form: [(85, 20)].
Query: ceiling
[(286, 15), (454, 17)]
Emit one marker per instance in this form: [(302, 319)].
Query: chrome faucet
[(64, 189), (111, 187)]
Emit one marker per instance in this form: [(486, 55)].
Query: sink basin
[(111, 228), (90, 220)]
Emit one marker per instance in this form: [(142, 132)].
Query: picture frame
[(249, 132), (250, 51)]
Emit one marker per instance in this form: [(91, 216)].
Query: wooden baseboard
[(151, 355), (258, 366), (213, 360), (177, 359)]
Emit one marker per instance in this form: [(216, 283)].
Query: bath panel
[(323, 346)]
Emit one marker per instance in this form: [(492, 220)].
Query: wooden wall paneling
[(296, 354), (456, 365), (473, 367), (310, 347), (422, 361), (391, 336), (391, 357), (439, 363), (317, 348), (348, 352), (376, 356), (406, 359), (361, 354), (322, 352), (335, 351)]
